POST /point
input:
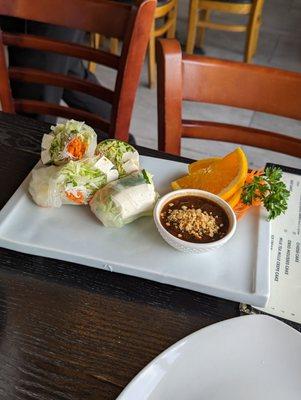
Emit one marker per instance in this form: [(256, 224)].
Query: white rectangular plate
[(238, 271)]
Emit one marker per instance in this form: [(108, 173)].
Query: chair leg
[(114, 45), (171, 33), (95, 42), (205, 16), (254, 42), (192, 26), (253, 31), (152, 60)]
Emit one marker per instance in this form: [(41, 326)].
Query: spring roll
[(73, 183), (73, 140), (123, 201), (124, 156)]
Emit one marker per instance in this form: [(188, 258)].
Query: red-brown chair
[(236, 84), (130, 24)]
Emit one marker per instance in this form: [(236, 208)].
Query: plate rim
[(202, 331)]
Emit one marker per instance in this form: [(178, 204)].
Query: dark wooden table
[(72, 332)]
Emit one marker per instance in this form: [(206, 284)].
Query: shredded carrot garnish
[(76, 148), (78, 198), (241, 208)]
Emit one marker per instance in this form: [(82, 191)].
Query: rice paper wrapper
[(125, 200), (43, 187)]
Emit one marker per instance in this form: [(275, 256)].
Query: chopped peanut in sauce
[(194, 219)]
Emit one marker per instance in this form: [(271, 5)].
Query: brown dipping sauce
[(194, 219)]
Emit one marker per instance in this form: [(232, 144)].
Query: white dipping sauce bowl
[(183, 245)]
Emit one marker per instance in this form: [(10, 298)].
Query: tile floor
[(279, 46)]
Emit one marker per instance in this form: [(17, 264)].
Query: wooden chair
[(166, 10), (130, 24), (199, 17), (209, 80)]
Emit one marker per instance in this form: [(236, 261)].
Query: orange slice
[(223, 177), (204, 163), (234, 199)]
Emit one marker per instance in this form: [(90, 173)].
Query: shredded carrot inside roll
[(241, 208), (78, 198), (77, 148)]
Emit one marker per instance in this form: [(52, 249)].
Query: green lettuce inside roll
[(124, 156)]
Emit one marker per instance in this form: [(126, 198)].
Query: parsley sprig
[(269, 190)]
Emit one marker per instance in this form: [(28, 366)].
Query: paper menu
[(285, 260)]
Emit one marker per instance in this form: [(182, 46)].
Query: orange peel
[(223, 177)]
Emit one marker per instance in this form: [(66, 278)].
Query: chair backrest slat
[(236, 84), (42, 107), (107, 18), (242, 135), (56, 46), (50, 78)]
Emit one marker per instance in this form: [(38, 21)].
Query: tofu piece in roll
[(73, 183), (73, 140), (124, 156), (123, 201)]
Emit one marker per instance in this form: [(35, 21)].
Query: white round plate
[(245, 358)]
